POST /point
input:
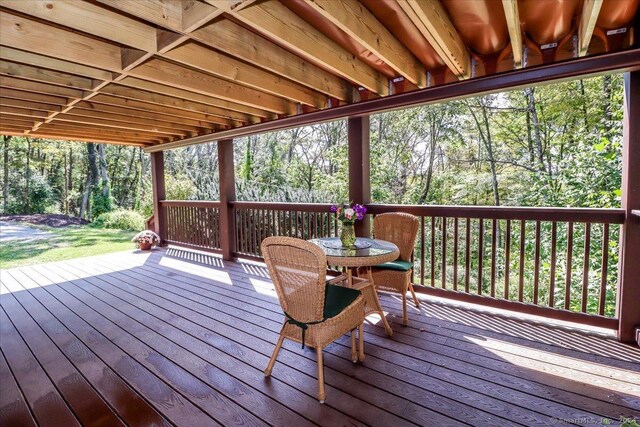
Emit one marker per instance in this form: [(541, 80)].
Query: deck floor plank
[(163, 398), (44, 399), (183, 337), (547, 385), (590, 406), (83, 399), (13, 407)]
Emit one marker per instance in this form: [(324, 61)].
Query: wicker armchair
[(316, 312), (395, 276)]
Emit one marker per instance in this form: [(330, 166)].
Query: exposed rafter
[(434, 24), (277, 22), (354, 19), (588, 19), (515, 31)]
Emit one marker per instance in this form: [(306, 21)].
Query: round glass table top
[(365, 247)]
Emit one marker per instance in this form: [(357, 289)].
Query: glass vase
[(348, 235)]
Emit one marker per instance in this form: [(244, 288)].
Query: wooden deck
[(176, 338)]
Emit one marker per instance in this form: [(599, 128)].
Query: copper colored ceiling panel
[(617, 14), (306, 12), (480, 23), (547, 21), (398, 23)]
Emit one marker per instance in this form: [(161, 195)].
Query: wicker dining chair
[(316, 312), (395, 276)]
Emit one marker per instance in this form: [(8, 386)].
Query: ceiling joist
[(182, 71), (588, 19), (515, 31), (434, 24)]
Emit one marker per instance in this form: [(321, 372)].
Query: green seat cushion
[(396, 265), (337, 298)]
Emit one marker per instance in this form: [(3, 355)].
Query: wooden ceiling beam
[(588, 19), (163, 72), (275, 21), (434, 24), (30, 96), (43, 75), (169, 120), (167, 14), (360, 24), (76, 130), (23, 112), (18, 103), (235, 40), (9, 120), (195, 14), (29, 35), (133, 94), (64, 137), (174, 113), (37, 87), (78, 115), (225, 108), (29, 58), (91, 19), (512, 16), (229, 68)]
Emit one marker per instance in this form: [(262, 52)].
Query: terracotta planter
[(145, 246)]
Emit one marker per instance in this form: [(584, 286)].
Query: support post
[(628, 295), (159, 194), (227, 195), (359, 164)]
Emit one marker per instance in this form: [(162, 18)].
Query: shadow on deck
[(174, 337)]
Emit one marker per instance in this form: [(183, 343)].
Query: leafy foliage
[(121, 219)]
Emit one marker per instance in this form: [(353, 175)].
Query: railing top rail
[(194, 203), (608, 216), (283, 206), (593, 215)]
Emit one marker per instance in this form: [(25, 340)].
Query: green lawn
[(66, 243)]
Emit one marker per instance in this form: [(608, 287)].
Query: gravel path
[(12, 231)]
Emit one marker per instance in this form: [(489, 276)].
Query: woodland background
[(556, 145)]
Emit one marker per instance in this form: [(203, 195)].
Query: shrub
[(121, 219)]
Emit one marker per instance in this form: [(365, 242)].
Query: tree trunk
[(606, 88), (84, 206), (536, 126), (584, 105), (5, 186), (28, 175), (432, 156), (485, 135), (103, 170), (65, 188)]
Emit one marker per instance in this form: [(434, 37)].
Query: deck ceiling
[(159, 71)]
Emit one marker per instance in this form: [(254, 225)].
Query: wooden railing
[(256, 221), (558, 262), (192, 223), (560, 258)]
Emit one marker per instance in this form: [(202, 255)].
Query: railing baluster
[(507, 258), (444, 252), (493, 256), (523, 229), (536, 268), (585, 267), (603, 270), (433, 250), (480, 253), (422, 249), (467, 260), (455, 253), (552, 270)]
